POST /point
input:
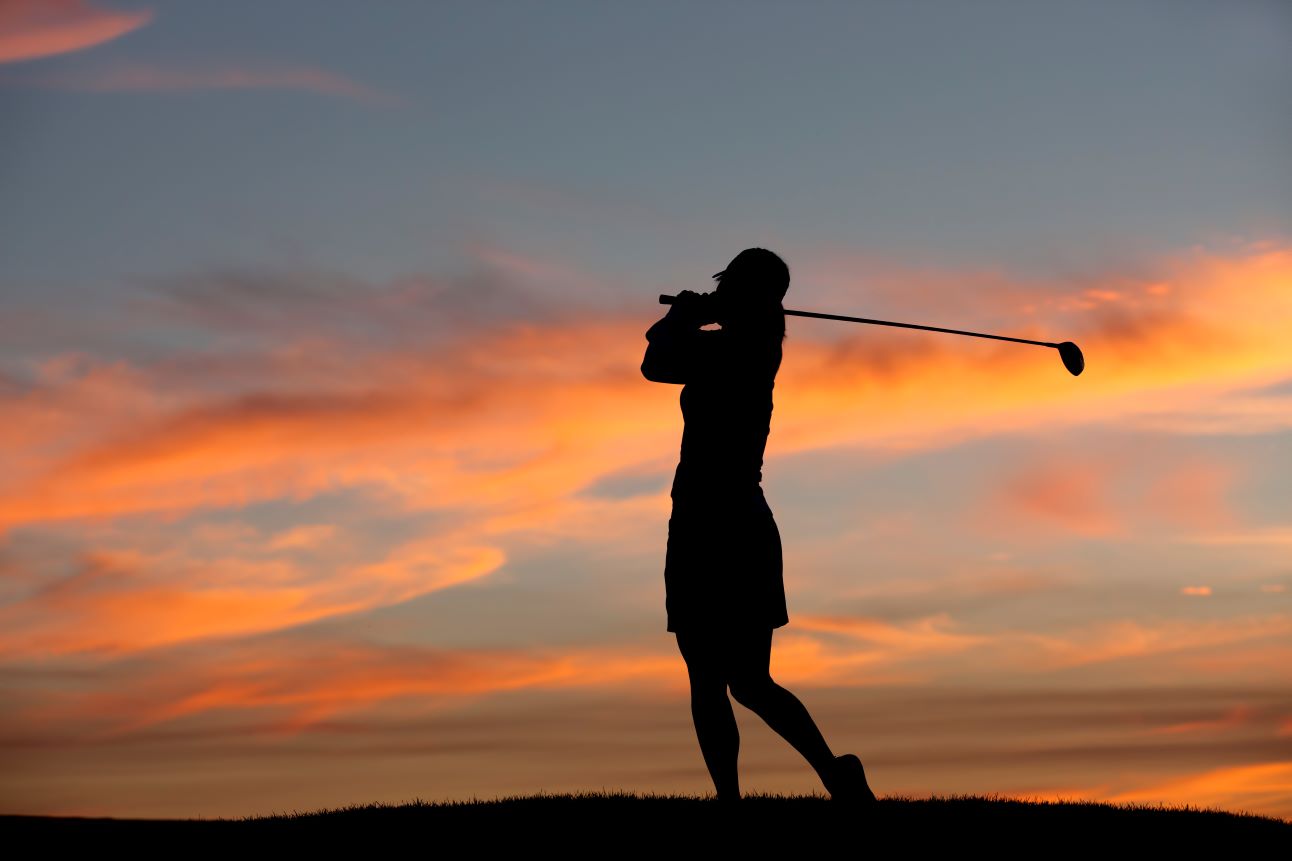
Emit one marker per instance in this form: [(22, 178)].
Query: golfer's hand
[(693, 308)]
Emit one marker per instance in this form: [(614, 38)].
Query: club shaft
[(668, 300), (916, 326)]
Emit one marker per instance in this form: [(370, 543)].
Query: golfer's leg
[(752, 686), (715, 722)]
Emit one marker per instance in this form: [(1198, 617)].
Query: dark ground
[(620, 824)]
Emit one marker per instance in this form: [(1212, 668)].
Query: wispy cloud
[(1191, 642), (932, 635), (31, 29), (1233, 718), (291, 685), (1270, 535), (310, 535), (143, 77), (124, 601)]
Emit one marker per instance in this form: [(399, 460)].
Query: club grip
[(665, 299)]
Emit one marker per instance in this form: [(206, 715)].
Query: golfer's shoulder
[(755, 341), (740, 353), (760, 348)]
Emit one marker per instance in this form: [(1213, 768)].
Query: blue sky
[(1030, 135)]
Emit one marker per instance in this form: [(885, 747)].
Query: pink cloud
[(1193, 495), (1069, 493), (1115, 488), (138, 77), (30, 29)]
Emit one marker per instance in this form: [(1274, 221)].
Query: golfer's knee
[(752, 691), (707, 687)]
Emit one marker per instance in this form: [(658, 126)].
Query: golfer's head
[(757, 275), (752, 285)]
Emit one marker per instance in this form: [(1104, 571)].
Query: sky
[(328, 474)]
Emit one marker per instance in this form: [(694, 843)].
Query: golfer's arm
[(676, 351)]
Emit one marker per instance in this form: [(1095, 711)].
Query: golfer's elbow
[(658, 371), (652, 373)]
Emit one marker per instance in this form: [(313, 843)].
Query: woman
[(723, 577)]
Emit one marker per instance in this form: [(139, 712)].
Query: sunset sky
[(328, 474)]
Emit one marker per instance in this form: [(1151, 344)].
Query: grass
[(609, 824)]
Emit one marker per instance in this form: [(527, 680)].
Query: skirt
[(723, 568)]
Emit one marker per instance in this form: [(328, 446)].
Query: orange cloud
[(467, 429), (30, 29), (1161, 361), (906, 649), (125, 602), (294, 687), (1264, 789), (1264, 786)]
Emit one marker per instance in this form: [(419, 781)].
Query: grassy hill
[(615, 824)]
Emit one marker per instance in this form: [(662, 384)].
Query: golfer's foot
[(848, 781)]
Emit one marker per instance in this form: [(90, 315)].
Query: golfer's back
[(727, 411)]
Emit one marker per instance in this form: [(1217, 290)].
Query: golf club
[(1069, 352)]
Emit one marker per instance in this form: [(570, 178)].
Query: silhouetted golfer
[(723, 566)]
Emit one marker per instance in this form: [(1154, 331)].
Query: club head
[(1070, 353)]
